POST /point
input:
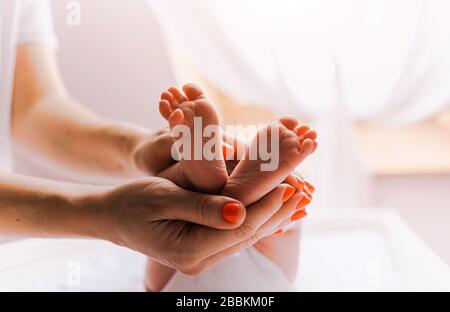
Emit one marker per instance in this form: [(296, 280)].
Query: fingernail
[(299, 215), (303, 203), (279, 232), (231, 212), (310, 187), (303, 130), (288, 193)]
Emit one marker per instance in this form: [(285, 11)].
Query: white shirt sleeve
[(36, 23)]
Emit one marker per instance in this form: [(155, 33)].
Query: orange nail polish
[(299, 215), (310, 187), (303, 203), (224, 151), (231, 212), (279, 232), (288, 193), (227, 149), (303, 130)]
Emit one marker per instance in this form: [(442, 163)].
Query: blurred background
[(372, 76)]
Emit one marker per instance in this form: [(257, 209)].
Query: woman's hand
[(185, 230), (152, 154)]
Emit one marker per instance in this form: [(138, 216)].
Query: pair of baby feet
[(244, 180), (247, 182)]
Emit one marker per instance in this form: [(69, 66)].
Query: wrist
[(89, 210), (125, 140)]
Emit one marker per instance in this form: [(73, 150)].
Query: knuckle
[(250, 242), (245, 232), (161, 187), (252, 239), (257, 236), (203, 207)]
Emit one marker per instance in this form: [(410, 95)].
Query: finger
[(310, 187), (291, 180), (295, 182), (308, 193), (177, 95), (258, 214), (266, 230), (216, 212), (288, 210), (301, 182), (299, 215)]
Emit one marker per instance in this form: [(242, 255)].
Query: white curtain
[(332, 61)]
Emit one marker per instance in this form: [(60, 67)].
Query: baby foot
[(248, 182), (190, 109)]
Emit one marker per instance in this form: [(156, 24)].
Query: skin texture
[(207, 176), (247, 182), (152, 216), (59, 130), (145, 215)]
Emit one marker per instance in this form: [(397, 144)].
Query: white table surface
[(342, 250)]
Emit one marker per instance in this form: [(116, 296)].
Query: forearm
[(64, 133), (41, 208), (48, 122)]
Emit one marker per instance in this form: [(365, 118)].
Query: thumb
[(213, 211)]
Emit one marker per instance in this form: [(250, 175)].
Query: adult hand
[(182, 229), (152, 153)]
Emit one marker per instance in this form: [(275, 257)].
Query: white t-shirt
[(21, 21)]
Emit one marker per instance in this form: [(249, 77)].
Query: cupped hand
[(184, 230)]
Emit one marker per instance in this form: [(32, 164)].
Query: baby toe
[(165, 109), (289, 122), (193, 92), (169, 98), (177, 95), (176, 118)]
